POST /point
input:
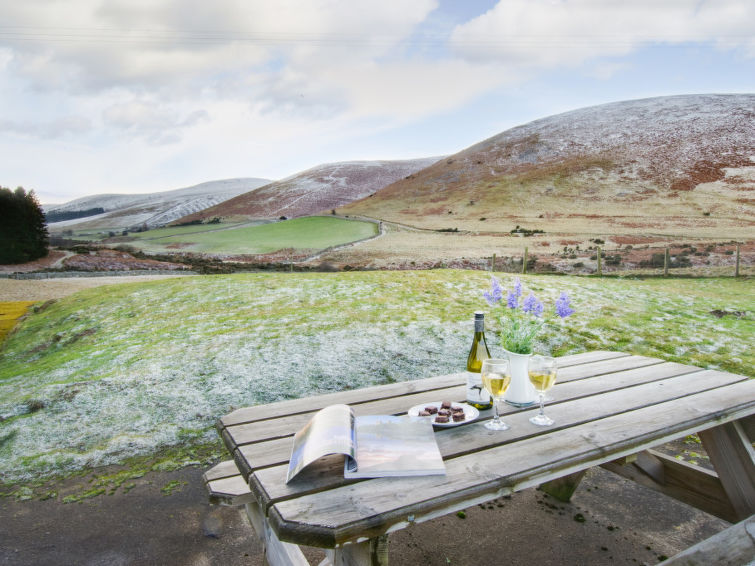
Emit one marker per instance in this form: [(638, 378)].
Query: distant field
[(92, 235), (103, 233), (315, 233), (170, 231)]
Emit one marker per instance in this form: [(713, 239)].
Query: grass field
[(171, 231), (309, 233), (145, 369)]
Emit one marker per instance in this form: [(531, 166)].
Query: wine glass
[(542, 372), (496, 379)]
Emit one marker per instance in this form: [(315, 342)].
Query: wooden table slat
[(587, 357), (356, 396), (272, 452), (240, 435), (269, 484), (372, 507), (602, 367), (221, 470)]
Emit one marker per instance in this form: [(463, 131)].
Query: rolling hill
[(318, 189), (673, 166), (154, 209)]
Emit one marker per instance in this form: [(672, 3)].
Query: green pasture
[(94, 235), (143, 370), (171, 231), (308, 233)]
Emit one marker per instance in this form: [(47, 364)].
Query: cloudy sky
[(103, 96)]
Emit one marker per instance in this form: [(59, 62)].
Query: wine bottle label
[(476, 393)]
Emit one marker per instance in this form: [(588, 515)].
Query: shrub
[(526, 232), (612, 259)]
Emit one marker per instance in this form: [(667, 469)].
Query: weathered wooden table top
[(605, 405)]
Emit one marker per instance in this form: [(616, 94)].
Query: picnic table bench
[(610, 409)]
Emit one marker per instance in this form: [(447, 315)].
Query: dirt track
[(44, 289)]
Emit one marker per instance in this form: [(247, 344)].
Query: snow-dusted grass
[(133, 369)]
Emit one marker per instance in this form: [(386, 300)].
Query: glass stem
[(495, 410), (542, 404)]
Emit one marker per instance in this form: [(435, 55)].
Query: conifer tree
[(23, 231)]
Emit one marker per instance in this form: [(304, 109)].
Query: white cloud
[(606, 70), (406, 90), (151, 44), (547, 33), (53, 129), (155, 94), (152, 121)]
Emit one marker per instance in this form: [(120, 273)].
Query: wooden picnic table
[(610, 409)]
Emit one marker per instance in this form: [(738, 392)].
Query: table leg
[(373, 552), (683, 481), (731, 453), (563, 488), (276, 552)]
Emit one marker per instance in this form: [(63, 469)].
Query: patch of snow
[(154, 209)]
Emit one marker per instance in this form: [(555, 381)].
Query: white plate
[(470, 413)]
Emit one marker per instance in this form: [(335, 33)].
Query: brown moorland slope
[(677, 166), (320, 189)]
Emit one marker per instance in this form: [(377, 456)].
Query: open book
[(375, 445)]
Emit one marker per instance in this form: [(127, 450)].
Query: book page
[(394, 446), (330, 431)]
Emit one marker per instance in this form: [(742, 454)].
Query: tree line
[(23, 230), (60, 215)]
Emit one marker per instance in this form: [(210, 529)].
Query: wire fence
[(727, 259)]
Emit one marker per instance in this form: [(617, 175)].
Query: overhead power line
[(173, 37)]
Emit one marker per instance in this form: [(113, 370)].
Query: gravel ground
[(609, 521)]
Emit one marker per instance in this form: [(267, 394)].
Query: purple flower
[(512, 300), (517, 287), (562, 305), (495, 294), (532, 305)]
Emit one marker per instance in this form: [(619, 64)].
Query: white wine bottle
[(477, 395)]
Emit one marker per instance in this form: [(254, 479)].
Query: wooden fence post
[(665, 262), (524, 261), (736, 264), (492, 263), (600, 261)]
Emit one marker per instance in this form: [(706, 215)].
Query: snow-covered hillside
[(153, 209), (318, 189), (663, 138), (676, 163)]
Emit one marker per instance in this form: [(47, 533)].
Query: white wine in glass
[(496, 379), (542, 372)]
